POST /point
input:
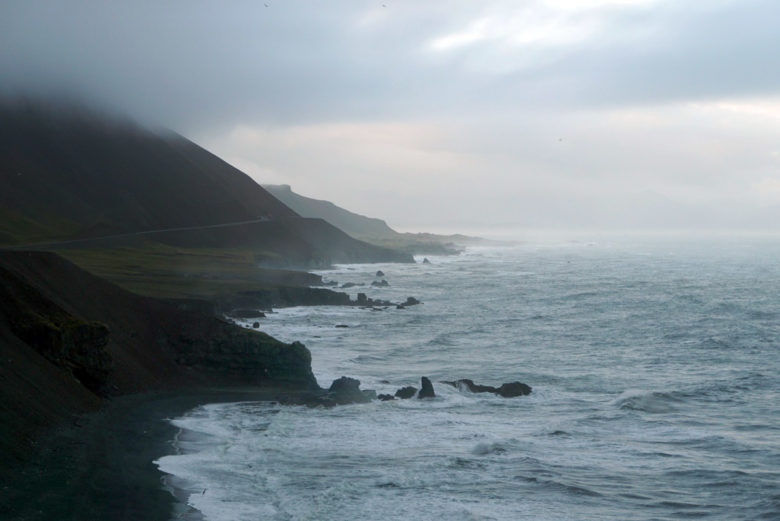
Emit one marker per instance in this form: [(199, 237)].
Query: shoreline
[(101, 466)]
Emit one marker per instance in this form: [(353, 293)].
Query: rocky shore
[(71, 342), (89, 371)]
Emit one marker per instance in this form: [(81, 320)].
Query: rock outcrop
[(507, 390), (347, 390), (512, 389), (406, 392), (68, 339), (426, 390)]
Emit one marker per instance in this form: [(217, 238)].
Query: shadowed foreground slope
[(68, 340)]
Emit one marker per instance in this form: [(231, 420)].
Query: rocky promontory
[(70, 340)]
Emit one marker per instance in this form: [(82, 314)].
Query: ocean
[(654, 365)]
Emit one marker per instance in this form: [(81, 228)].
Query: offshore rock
[(470, 386), (427, 389), (512, 389), (426, 261), (380, 273), (347, 390), (380, 283), (507, 390), (410, 301), (386, 397), (406, 392)]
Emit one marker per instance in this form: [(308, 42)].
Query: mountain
[(68, 173), (369, 229), (354, 224), (72, 173)]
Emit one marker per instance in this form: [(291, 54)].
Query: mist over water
[(653, 363)]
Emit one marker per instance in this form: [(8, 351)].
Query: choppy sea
[(656, 395)]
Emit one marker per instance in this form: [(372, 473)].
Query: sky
[(445, 116)]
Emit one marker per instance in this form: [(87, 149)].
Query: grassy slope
[(105, 176), (163, 271), (68, 173)]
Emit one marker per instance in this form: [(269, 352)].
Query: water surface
[(654, 365)]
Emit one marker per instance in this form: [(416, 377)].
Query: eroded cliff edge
[(70, 340)]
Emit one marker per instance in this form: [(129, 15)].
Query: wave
[(569, 488), (483, 449), (655, 402), (720, 391)]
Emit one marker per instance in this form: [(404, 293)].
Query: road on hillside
[(134, 234)]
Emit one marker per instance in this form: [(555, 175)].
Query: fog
[(495, 115)]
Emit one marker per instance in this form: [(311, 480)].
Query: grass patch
[(15, 228), (163, 271)]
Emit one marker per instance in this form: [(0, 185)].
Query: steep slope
[(68, 339), (104, 176), (68, 173)]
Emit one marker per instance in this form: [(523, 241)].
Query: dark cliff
[(69, 340)]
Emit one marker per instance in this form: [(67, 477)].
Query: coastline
[(101, 466)]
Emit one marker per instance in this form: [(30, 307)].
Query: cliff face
[(68, 340)]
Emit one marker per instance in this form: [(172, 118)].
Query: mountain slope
[(106, 176), (369, 229), (68, 173), (354, 224)]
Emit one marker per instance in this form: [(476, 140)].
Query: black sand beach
[(100, 467)]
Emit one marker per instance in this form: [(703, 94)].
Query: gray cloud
[(194, 62), (437, 99)]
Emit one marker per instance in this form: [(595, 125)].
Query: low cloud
[(541, 112)]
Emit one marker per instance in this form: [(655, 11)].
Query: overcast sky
[(434, 115)]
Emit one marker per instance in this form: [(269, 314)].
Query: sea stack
[(426, 390)]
